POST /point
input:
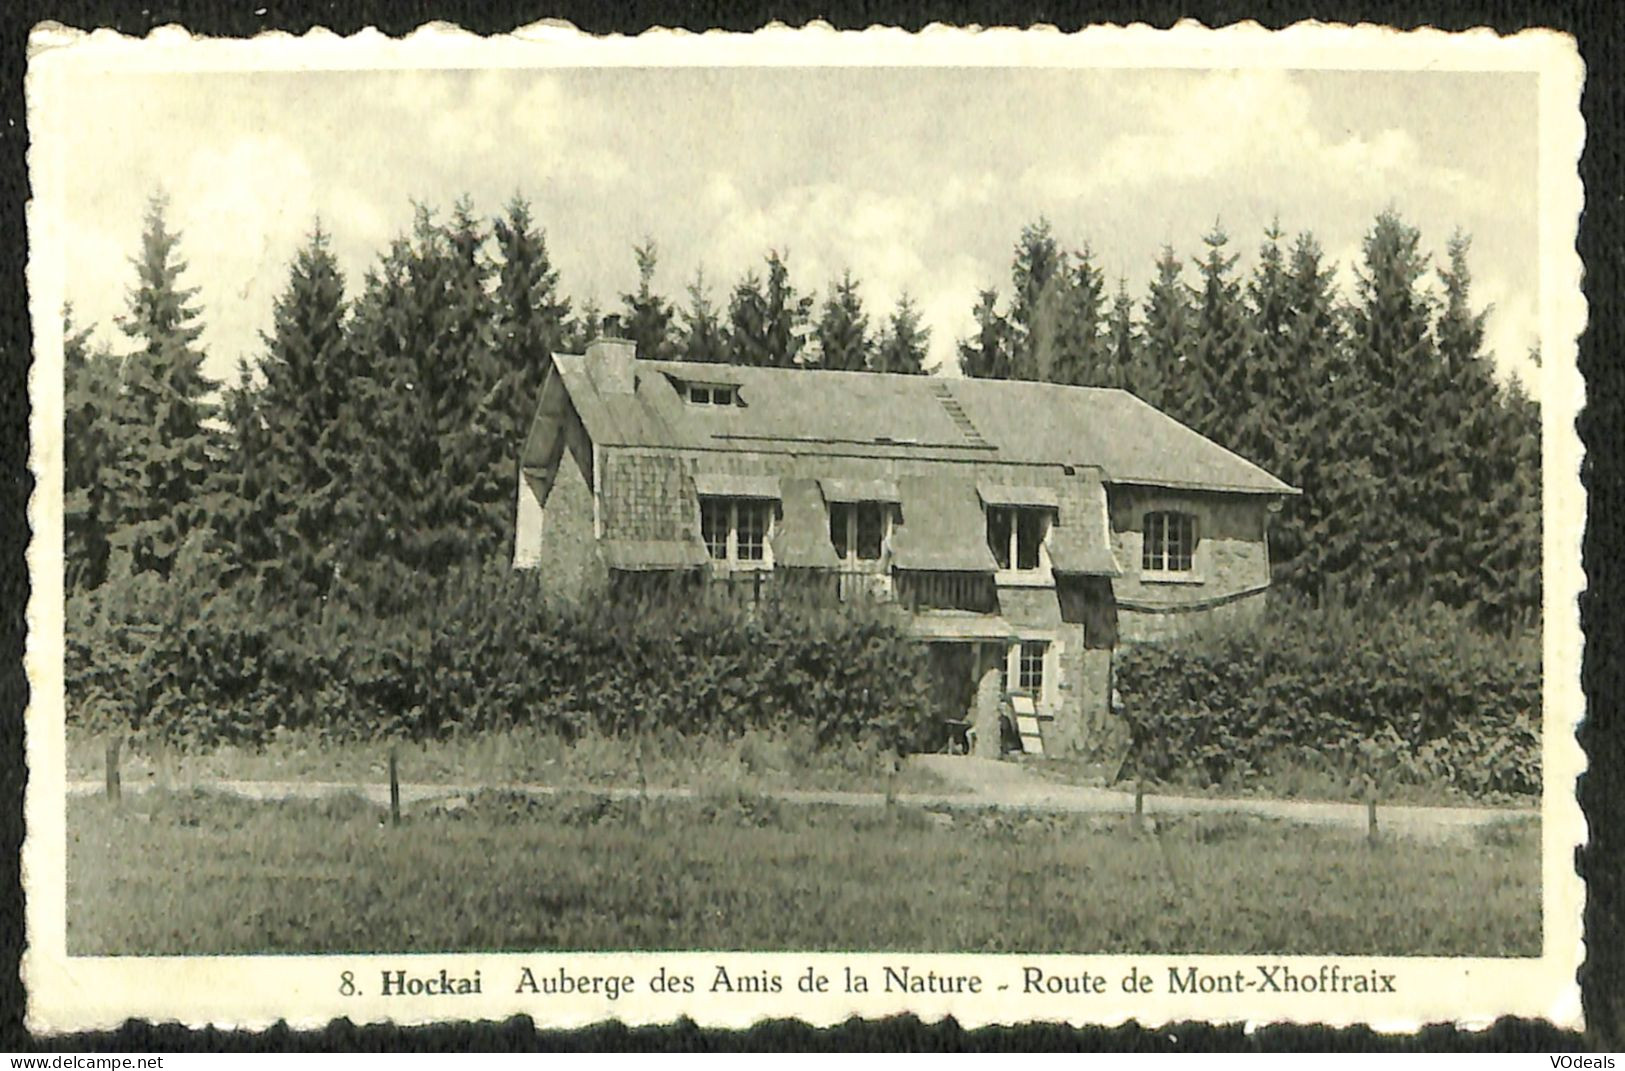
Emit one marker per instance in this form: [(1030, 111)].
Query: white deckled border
[(256, 992)]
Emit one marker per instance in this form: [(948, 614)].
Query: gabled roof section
[(874, 414)]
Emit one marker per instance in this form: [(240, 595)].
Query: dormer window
[(1015, 535), (736, 530), (862, 513), (1018, 522), (725, 394), (858, 530)]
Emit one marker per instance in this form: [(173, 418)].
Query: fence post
[(115, 791), (1139, 803), (394, 786), (643, 780), (1371, 812)]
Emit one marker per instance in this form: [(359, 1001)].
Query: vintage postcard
[(1006, 525)]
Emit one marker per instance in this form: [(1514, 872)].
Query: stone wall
[(648, 494), (1231, 564), (1141, 626), (1085, 724), (566, 550)]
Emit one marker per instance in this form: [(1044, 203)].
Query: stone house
[(1028, 527)]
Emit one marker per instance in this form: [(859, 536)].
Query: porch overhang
[(650, 555), (734, 485), (837, 490), (1004, 494), (946, 626)]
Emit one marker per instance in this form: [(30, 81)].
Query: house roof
[(809, 411), (943, 529)]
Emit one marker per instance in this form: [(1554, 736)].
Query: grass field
[(752, 761), (1289, 779), (187, 873)]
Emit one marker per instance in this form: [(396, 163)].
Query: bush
[(188, 662), (1415, 697)]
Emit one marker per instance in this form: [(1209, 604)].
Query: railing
[(856, 585), (845, 585), (916, 591), (743, 585), (974, 592)]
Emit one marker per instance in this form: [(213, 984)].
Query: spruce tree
[(586, 327), (903, 343), (768, 322), (843, 328), (1317, 413), (1514, 562), (430, 387), (1268, 428), (1082, 350), (1487, 549), (159, 492), (255, 490), (987, 354), (1396, 366), (1166, 339), (294, 439), (748, 323), (1122, 342), (483, 455), (93, 451), (1220, 403), (1039, 284), (531, 314), (701, 337), (646, 317), (1261, 432)]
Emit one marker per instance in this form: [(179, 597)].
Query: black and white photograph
[(1017, 526)]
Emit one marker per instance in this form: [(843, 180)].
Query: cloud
[(917, 180)]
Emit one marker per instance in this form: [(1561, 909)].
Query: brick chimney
[(610, 364)]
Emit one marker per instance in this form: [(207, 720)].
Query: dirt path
[(1008, 784), (981, 784)]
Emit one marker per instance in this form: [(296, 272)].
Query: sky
[(916, 179)]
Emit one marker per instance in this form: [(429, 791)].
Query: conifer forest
[(376, 433)]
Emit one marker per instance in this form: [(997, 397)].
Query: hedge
[(193, 662), (1416, 696)]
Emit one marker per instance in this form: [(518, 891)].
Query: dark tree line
[(378, 432), (375, 440), (764, 321), (1420, 470)]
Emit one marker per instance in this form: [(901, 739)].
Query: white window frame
[(1014, 662), (1186, 574), (850, 557), (730, 558), (1015, 571), (706, 394)]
